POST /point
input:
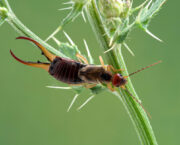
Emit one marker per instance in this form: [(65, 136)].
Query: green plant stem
[(21, 28), (115, 58)]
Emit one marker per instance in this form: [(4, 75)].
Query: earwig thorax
[(106, 76), (95, 74)]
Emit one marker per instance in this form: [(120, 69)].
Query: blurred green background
[(31, 114)]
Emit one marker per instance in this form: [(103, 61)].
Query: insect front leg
[(109, 86), (89, 86), (110, 67), (102, 62), (82, 84)]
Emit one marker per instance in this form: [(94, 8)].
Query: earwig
[(77, 73), (63, 69)]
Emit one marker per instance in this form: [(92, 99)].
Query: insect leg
[(110, 67), (77, 84), (109, 86), (123, 87), (102, 62), (89, 86), (138, 101), (80, 57)]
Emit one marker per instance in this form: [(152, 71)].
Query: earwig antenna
[(135, 99), (144, 68)]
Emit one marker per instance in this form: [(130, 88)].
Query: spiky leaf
[(76, 10), (3, 13), (1, 21), (69, 50), (146, 13)]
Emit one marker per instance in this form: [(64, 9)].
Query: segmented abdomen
[(66, 70)]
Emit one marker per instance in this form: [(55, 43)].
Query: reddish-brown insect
[(74, 72), (77, 73)]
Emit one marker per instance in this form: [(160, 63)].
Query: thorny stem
[(20, 27), (115, 58)]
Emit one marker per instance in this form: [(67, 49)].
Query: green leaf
[(122, 31), (1, 21), (122, 37), (147, 13), (115, 58), (78, 89), (76, 10), (69, 50), (2, 3), (3, 13), (97, 89), (74, 13)]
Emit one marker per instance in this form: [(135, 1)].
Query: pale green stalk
[(21, 28), (115, 58)]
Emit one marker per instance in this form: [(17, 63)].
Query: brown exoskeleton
[(77, 73)]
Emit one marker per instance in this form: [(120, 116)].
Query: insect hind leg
[(102, 62), (108, 67), (82, 58), (109, 86)]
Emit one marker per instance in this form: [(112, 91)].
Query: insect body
[(73, 72), (77, 73), (66, 70)]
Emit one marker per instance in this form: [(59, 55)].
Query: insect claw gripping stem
[(80, 57), (139, 102)]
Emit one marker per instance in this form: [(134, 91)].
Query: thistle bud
[(3, 12), (3, 15), (114, 8)]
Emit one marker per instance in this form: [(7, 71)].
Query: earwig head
[(118, 80)]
